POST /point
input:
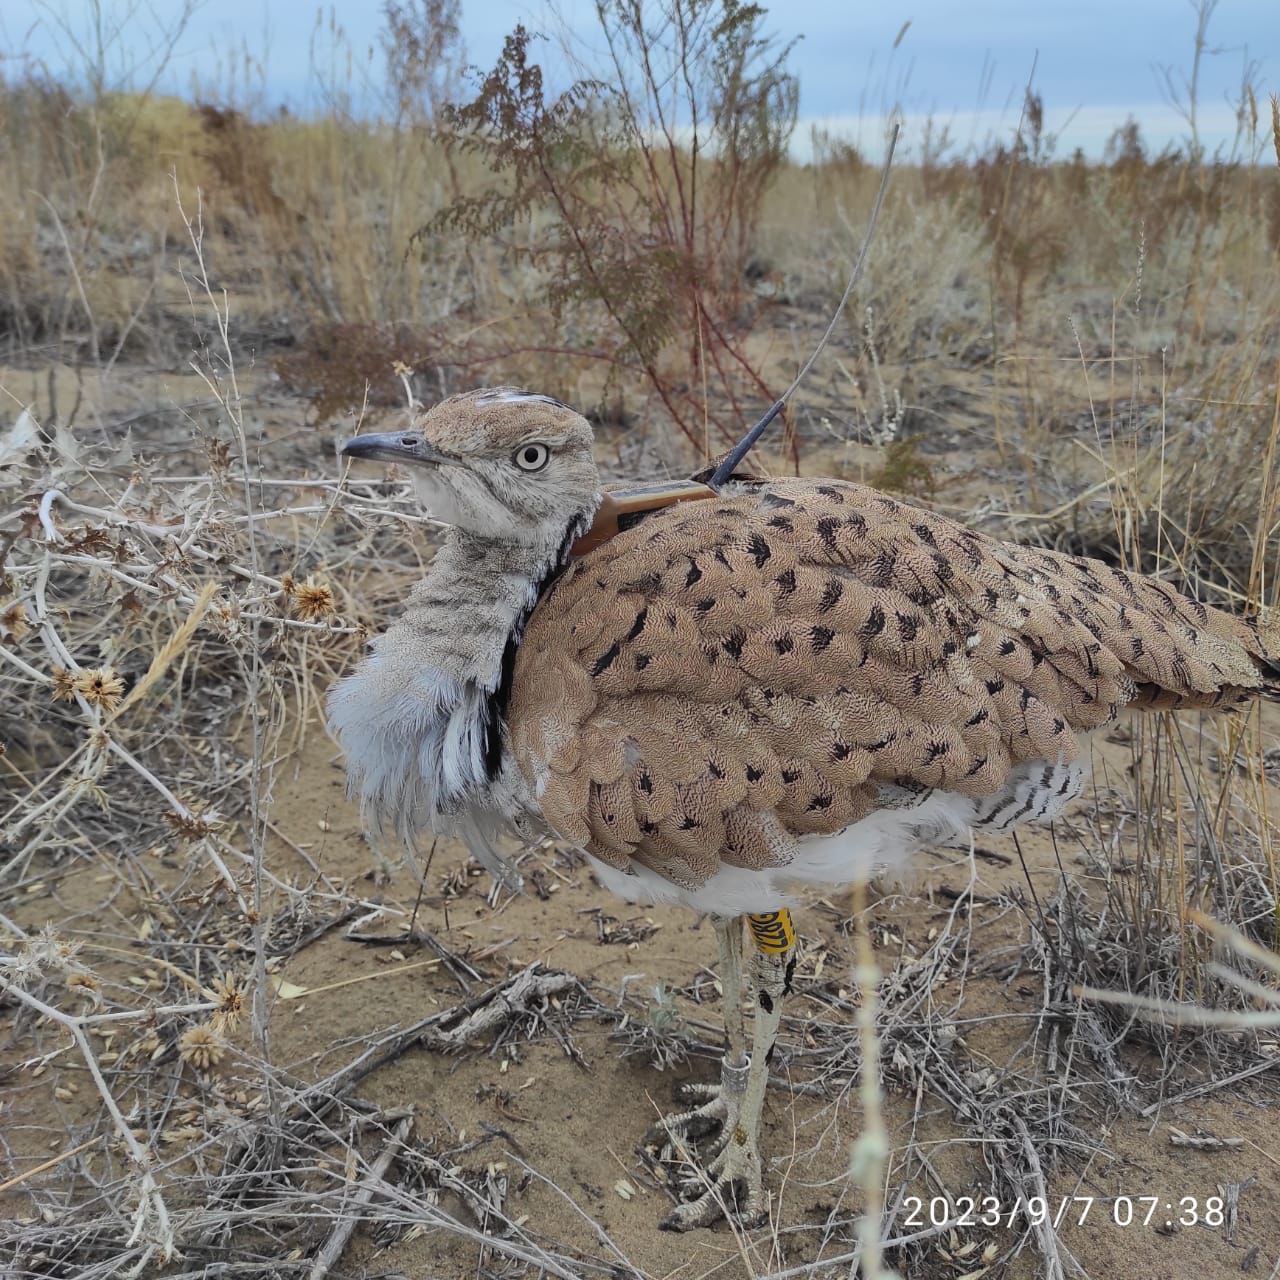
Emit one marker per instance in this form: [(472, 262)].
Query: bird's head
[(498, 462)]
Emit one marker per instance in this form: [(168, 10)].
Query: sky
[(1096, 62)]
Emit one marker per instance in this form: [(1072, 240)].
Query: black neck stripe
[(499, 700)]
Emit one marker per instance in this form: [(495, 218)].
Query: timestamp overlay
[(1151, 1211)]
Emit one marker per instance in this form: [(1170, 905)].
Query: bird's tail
[(1270, 668), (1266, 655), (1251, 669)]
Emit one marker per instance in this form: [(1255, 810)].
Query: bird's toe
[(697, 1092), (736, 1192), (726, 1182), (688, 1128)]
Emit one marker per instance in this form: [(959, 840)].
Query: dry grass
[(1084, 354)]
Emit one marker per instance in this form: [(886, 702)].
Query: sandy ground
[(577, 1125)]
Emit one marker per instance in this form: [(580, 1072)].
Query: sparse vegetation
[(197, 297)]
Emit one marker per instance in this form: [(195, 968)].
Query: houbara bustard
[(788, 682)]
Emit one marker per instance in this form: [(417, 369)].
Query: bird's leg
[(735, 1168), (729, 941), (716, 1104)]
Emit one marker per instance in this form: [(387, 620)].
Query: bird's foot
[(731, 1184), (710, 1157), (688, 1129)]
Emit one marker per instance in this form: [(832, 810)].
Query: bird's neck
[(474, 601), (421, 720)]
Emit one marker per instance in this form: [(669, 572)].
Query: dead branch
[(368, 1187)]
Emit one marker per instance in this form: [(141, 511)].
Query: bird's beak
[(394, 446)]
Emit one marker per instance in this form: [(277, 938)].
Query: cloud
[(1086, 127)]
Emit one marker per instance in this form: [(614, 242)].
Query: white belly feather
[(882, 843)]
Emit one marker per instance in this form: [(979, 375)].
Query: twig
[(870, 1148), (623, 1262), (46, 1165), (461, 972), (152, 1214), (1212, 1086), (1046, 1235), (1202, 1141), (369, 1185), (444, 1032), (854, 1257), (726, 467)]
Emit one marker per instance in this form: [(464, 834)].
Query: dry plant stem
[(39, 676), (484, 1240), (1211, 1086), (45, 1165), (735, 455), (1046, 1234), (95, 745), (171, 649), (854, 1256), (61, 655), (75, 275), (232, 406), (113, 518), (331, 1253), (1238, 943), (166, 1010), (152, 1213), (871, 1147), (1177, 1014), (1202, 1141), (599, 1232)]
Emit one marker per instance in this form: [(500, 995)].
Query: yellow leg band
[(773, 931)]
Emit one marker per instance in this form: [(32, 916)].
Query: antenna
[(740, 450)]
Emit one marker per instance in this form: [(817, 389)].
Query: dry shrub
[(83, 229), (167, 632), (236, 150), (1017, 203), (344, 366), (905, 471), (631, 213), (1188, 838)]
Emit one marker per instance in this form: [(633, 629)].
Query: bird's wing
[(803, 648)]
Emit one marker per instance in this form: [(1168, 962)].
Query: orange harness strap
[(627, 505)]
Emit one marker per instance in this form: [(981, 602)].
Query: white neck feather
[(419, 718)]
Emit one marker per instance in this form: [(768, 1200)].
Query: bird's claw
[(674, 1138), (715, 1178), (732, 1185)]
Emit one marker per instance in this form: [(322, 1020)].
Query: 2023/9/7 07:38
[(1118, 1211)]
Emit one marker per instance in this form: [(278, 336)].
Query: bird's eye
[(532, 457)]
